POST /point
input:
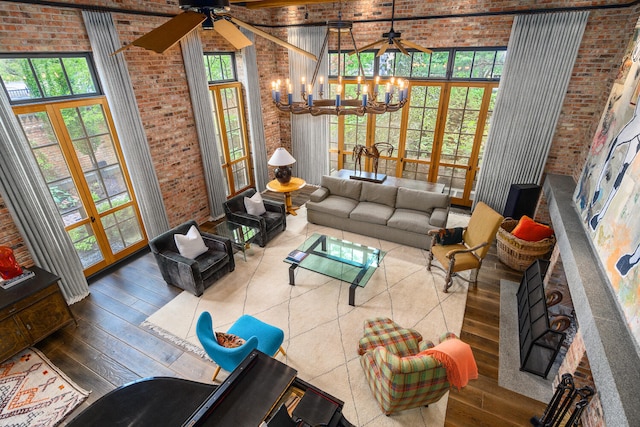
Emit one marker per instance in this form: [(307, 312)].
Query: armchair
[(400, 375), (193, 275), (272, 222), (468, 254), (255, 333)]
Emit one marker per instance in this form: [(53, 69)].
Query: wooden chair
[(468, 254)]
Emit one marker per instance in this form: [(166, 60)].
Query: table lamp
[(282, 159)]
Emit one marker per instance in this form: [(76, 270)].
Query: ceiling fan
[(213, 14), (393, 38)]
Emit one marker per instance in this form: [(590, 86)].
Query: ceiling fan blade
[(273, 38), (416, 46), (400, 47), (233, 35), (383, 48), (369, 46), (167, 34)]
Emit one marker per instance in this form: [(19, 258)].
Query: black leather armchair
[(193, 275), (270, 223)]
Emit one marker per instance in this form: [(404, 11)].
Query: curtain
[(115, 80), (251, 83), (202, 111), (540, 56), (33, 210), (309, 135)]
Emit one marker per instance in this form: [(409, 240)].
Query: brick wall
[(163, 98)]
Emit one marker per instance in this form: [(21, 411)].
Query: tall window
[(440, 135), (72, 137), (229, 118)]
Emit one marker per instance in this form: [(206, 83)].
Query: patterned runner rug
[(33, 392)]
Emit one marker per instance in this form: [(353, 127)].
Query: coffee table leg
[(352, 294), (292, 277)]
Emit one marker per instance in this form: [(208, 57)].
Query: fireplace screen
[(539, 343)]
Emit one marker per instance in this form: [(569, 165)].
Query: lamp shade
[(281, 157)]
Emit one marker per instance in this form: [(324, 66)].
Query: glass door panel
[(422, 121), (74, 146), (231, 136), (463, 139)]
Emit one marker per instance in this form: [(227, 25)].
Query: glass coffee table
[(241, 236), (343, 260)]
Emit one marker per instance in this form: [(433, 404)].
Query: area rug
[(509, 374), (33, 392), (321, 329)]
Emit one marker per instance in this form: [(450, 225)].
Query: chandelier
[(368, 98)]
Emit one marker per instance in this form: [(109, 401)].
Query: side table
[(293, 185), (241, 235)]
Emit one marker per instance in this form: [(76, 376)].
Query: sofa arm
[(180, 271), (439, 217), (248, 220), (319, 195)]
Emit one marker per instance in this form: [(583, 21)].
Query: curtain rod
[(361, 21)]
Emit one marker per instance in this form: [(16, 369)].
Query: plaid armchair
[(400, 377)]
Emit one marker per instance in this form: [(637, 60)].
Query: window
[(71, 134), (221, 67), (229, 119), (440, 135), (29, 79)]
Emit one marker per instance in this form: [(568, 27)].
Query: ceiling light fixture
[(365, 101)]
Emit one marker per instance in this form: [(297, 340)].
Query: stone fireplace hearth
[(613, 355)]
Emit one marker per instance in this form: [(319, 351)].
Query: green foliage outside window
[(28, 78)]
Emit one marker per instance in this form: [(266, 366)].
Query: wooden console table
[(413, 184), (31, 311)]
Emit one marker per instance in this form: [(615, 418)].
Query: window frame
[(60, 55)]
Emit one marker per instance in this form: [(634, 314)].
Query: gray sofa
[(396, 214)]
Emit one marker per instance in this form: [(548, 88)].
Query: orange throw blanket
[(457, 358)]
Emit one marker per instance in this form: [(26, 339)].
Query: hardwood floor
[(108, 348)]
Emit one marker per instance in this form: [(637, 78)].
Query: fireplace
[(613, 355)]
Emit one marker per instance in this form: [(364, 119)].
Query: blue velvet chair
[(257, 335)]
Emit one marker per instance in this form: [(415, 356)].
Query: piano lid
[(248, 394)]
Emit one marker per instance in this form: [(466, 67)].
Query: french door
[(439, 137), (76, 148), (231, 136)]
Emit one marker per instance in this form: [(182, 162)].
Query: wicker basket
[(517, 253)]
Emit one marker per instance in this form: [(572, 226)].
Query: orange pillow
[(531, 231)]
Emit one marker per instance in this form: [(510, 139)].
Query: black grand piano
[(256, 390)]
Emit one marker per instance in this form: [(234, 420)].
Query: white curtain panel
[(540, 56), (114, 77), (309, 135), (27, 196), (251, 82), (202, 112)]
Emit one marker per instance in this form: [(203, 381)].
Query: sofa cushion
[(254, 205), (342, 187), (373, 213), (410, 220), (377, 193), (334, 205), (419, 200)]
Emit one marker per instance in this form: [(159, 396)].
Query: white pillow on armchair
[(254, 205), (190, 245)]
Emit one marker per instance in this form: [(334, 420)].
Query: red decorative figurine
[(9, 267)]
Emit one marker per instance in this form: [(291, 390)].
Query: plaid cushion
[(382, 331)]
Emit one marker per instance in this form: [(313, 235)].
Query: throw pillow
[(190, 245), (531, 231), (449, 236), (254, 205), (229, 340)]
